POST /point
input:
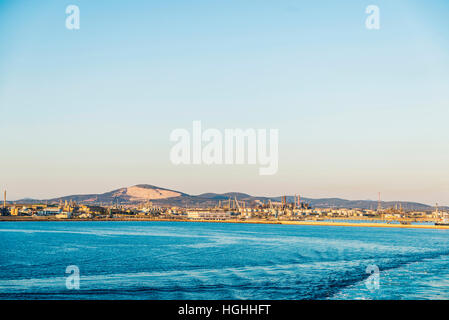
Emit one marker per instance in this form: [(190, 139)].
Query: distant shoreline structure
[(165, 197), (142, 202)]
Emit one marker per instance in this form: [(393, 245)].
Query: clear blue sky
[(358, 111)]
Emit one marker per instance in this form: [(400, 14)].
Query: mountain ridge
[(141, 193)]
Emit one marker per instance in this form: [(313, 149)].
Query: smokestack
[(379, 204), (4, 200)]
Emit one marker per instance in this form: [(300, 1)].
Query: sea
[(196, 261)]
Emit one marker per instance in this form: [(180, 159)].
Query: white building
[(208, 215), (49, 211)]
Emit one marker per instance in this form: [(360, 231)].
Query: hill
[(166, 197)]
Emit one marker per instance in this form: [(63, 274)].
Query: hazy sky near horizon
[(358, 111)]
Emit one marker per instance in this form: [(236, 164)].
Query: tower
[(3, 210), (379, 204)]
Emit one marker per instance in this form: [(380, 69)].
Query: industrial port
[(231, 210)]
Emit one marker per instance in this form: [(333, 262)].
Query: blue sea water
[(182, 260)]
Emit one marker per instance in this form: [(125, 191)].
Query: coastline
[(253, 221)]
